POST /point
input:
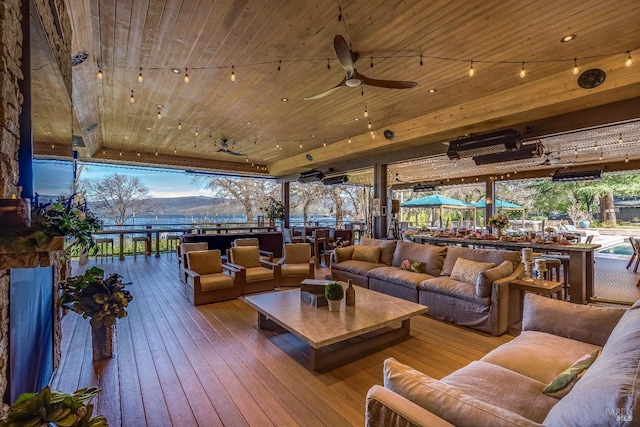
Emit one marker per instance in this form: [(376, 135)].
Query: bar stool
[(103, 248), (172, 244), (137, 239)]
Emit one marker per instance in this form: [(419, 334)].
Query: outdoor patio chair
[(208, 279), (296, 265), (183, 262), (252, 241), (254, 274)]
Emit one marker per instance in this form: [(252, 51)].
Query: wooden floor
[(177, 365)]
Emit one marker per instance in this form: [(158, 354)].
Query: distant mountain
[(189, 204)]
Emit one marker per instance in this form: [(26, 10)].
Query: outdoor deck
[(175, 364)]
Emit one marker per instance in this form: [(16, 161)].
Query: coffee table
[(377, 320)]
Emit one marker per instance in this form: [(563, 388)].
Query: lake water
[(207, 219)]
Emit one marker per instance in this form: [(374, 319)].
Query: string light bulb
[(175, 150), (523, 72), (629, 61), (132, 99), (233, 73), (620, 140), (349, 140), (99, 72), (472, 72), (140, 79), (196, 131), (600, 157), (576, 70), (186, 75), (156, 152), (301, 145), (626, 159), (159, 113), (138, 154), (277, 145), (324, 143), (366, 113), (120, 153), (369, 124), (179, 124)]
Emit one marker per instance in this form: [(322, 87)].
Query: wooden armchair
[(183, 263), (297, 264), (254, 274), (252, 241), (208, 280)]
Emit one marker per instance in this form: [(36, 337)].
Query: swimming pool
[(619, 249)]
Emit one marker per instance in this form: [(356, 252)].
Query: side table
[(543, 287)]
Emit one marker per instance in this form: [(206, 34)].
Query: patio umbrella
[(502, 205), (437, 201)]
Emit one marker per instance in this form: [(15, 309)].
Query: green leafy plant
[(274, 210), (68, 218), (91, 295), (54, 408), (334, 291)]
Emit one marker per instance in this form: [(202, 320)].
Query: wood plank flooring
[(178, 365)]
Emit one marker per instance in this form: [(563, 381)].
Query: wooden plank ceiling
[(284, 49)]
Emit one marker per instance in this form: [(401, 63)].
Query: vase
[(272, 222), (102, 342), (334, 305), (499, 232)]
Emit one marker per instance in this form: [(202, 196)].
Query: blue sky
[(53, 177)]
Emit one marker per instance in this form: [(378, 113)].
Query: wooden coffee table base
[(329, 357)]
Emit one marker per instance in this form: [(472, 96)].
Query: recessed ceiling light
[(284, 99), (357, 118), (567, 38), (432, 90), (176, 70), (313, 135)]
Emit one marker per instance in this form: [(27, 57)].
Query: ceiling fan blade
[(327, 92), (343, 53), (389, 84)]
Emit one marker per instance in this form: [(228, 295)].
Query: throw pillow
[(561, 385), (466, 270), (409, 265), (367, 253), (486, 278)]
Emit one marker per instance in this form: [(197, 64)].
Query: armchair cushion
[(246, 256), (256, 274), (297, 253), (294, 269), (205, 262), (367, 253), (248, 241), (211, 282)]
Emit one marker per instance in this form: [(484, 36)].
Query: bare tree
[(305, 195), (335, 195), (250, 193), (118, 197)]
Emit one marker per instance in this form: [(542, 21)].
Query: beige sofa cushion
[(205, 262), (366, 253), (485, 279), (609, 392), (387, 248), (539, 355), (446, 401), (431, 256), (344, 254), (467, 270), (503, 388), (246, 256), (397, 276), (482, 255)]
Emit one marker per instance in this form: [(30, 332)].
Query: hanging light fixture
[(628, 62), (99, 72), (179, 124), (196, 131), (523, 72), (186, 75), (233, 74), (576, 70), (159, 113), (620, 140), (472, 72), (140, 79), (132, 99)]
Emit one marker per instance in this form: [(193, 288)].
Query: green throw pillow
[(563, 383), (409, 265)]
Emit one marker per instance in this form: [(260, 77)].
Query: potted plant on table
[(274, 210), (103, 300), (54, 408), (334, 292)]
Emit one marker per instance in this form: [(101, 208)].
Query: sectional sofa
[(469, 287), (572, 365)]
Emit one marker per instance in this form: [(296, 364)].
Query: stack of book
[(312, 292)]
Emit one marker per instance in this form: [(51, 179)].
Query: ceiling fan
[(353, 78), (224, 148)]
